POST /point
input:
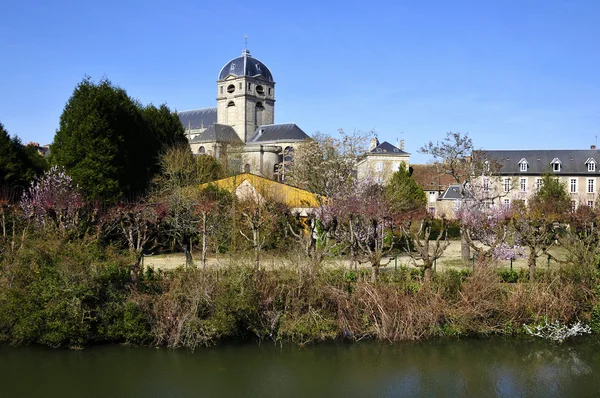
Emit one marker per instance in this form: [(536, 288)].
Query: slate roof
[(218, 133), (198, 118), (385, 148), (452, 193), (573, 161), (285, 132), (246, 65)]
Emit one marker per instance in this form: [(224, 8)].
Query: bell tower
[(245, 95)]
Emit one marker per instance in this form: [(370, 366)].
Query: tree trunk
[(256, 259), (188, 255), (204, 248), (374, 272), (531, 263), (427, 274), (465, 250)]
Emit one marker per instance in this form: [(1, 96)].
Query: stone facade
[(240, 131), (381, 162)]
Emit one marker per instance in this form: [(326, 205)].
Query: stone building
[(381, 161), (241, 131), (520, 173)]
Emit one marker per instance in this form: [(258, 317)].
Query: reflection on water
[(472, 367)]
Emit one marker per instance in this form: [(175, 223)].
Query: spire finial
[(245, 42)]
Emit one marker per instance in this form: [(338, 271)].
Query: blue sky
[(511, 74)]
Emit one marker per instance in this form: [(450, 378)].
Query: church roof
[(246, 65), (284, 132), (218, 133), (198, 118), (385, 148)]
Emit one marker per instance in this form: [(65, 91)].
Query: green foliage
[(19, 164), (552, 201), (403, 192), (109, 143)]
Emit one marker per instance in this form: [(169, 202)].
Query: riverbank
[(69, 295)]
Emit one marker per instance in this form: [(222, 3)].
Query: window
[(538, 183), (523, 165), (201, 150), (555, 165), (432, 211), (573, 206), (247, 168), (260, 90), (431, 196), (506, 202), (573, 185), (240, 85), (523, 184), (231, 103), (506, 184), (591, 164), (230, 88), (486, 184), (221, 89), (590, 185), (590, 203), (379, 167), (270, 91)]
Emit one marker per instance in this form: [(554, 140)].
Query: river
[(441, 368)]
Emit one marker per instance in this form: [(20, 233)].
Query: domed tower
[(245, 95)]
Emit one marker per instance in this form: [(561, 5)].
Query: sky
[(510, 74)]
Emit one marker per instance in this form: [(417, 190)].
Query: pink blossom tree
[(53, 201)]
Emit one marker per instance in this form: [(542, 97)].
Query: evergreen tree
[(403, 193), (19, 164), (109, 143)]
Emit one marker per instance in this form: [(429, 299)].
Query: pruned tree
[(137, 223), (538, 225), (425, 250), (258, 218)]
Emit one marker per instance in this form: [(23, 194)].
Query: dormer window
[(591, 164), (523, 165), (555, 165)]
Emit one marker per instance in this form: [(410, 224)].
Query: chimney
[(374, 143), (593, 147), (401, 145)]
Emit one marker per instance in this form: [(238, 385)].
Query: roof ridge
[(198, 109)]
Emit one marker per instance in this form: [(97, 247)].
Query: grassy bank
[(71, 295)]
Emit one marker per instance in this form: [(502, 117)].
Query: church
[(241, 131)]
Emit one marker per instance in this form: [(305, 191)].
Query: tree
[(538, 225), (323, 163), (109, 143), (403, 193), (53, 202), (455, 156), (19, 164)]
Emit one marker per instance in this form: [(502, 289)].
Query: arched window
[(201, 150), (231, 103), (288, 154), (247, 168)]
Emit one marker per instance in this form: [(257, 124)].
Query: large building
[(520, 173), (241, 130)]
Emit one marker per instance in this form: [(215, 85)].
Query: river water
[(441, 368)]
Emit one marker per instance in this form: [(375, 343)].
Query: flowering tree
[(363, 221), (53, 201)]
